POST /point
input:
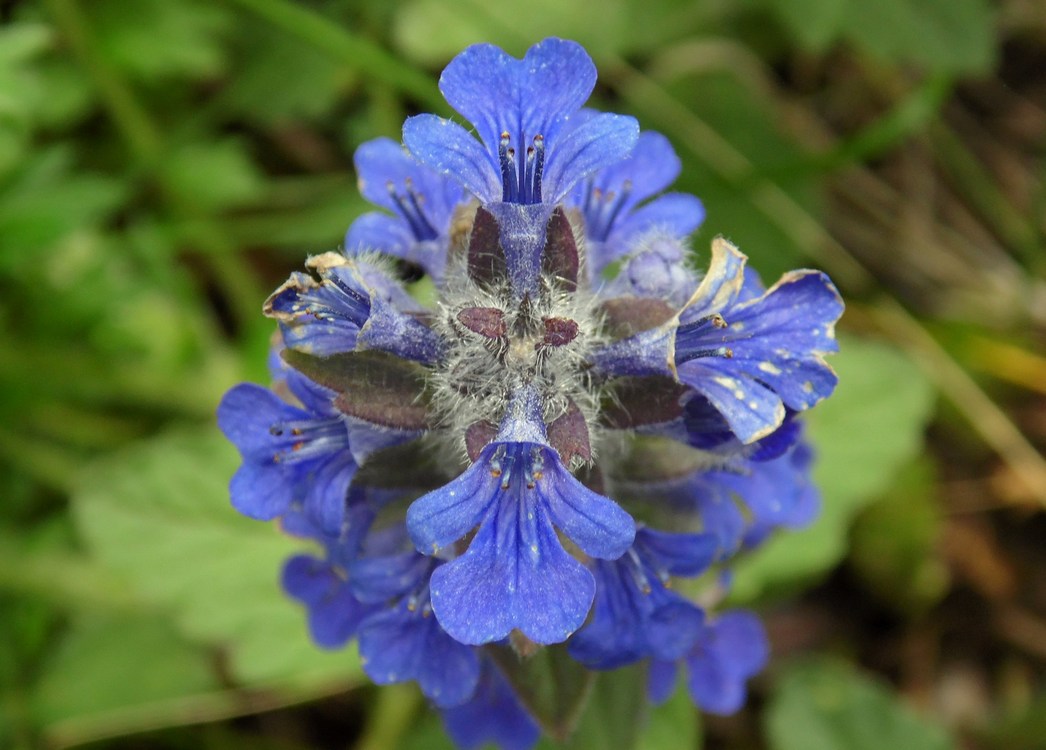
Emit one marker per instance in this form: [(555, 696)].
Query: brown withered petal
[(373, 386), (643, 401), (626, 316), (486, 259), (409, 466), (478, 436), (568, 434), (558, 331), (486, 321), (560, 257)]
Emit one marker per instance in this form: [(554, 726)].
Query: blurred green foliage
[(165, 163)]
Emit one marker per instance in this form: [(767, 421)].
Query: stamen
[(635, 569), (539, 167), (601, 209), (506, 159), (410, 210), (693, 339)]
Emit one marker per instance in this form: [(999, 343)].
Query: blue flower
[(353, 305), (750, 358), (334, 614), (730, 650), (403, 641), (515, 573), (523, 111), (293, 457), (455, 463), (635, 615), (610, 200), (654, 268), (422, 203)]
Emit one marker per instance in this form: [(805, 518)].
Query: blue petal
[(721, 284), (261, 491), (493, 715), (784, 335), (333, 613), (631, 623), (752, 410), (515, 574), (528, 97), (308, 579), (327, 484), (246, 413), (677, 214), (387, 329), (379, 579), (600, 141), (445, 515), (449, 149), (740, 642), (677, 554), (376, 231), (612, 637), (732, 649), (661, 681), (596, 524), (334, 620), (652, 166), (398, 645), (383, 163), (673, 626)]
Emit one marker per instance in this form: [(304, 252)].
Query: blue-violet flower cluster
[(580, 420)]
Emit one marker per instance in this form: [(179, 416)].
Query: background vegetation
[(165, 163)]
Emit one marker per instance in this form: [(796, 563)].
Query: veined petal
[(401, 644), (492, 715), (676, 214), (600, 141), (445, 515), (598, 525), (752, 410), (652, 166), (387, 173), (449, 149), (514, 575), (378, 231), (721, 285), (497, 92)]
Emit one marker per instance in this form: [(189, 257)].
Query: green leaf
[(45, 200), (825, 705), (553, 687), (159, 515), (110, 676), (862, 435), (615, 711)]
